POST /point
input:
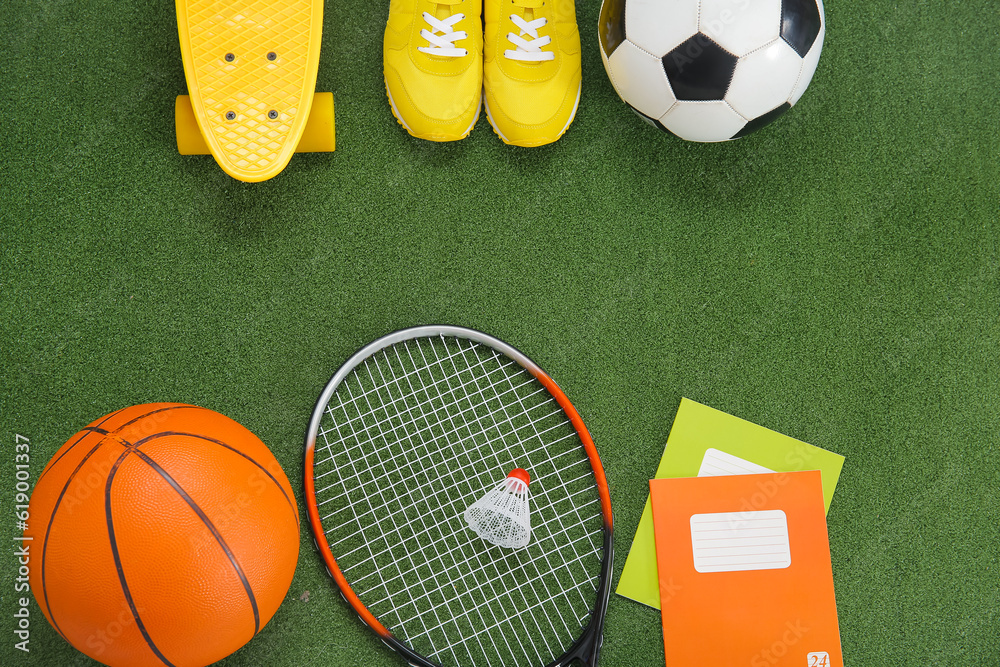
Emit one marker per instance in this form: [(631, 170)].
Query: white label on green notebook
[(739, 541), (717, 462)]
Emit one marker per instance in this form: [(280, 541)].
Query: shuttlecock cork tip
[(521, 474)]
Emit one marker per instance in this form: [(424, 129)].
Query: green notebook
[(705, 442)]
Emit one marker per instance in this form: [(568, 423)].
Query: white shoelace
[(443, 44), (529, 49)]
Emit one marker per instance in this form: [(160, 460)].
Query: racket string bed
[(376, 555), (539, 574), (360, 579), (453, 432), (443, 380), (415, 487), (562, 482), (411, 437), (450, 552), (343, 509), (385, 536)]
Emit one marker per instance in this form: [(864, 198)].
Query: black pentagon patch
[(664, 128), (800, 24), (699, 69), (761, 121), (611, 26)]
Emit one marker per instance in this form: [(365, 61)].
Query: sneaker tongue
[(445, 8), (529, 7)]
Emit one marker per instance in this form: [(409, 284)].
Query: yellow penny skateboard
[(251, 72)]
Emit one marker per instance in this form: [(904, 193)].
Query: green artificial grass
[(834, 277)]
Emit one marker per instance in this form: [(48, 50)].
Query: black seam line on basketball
[(92, 429), (68, 449), (48, 531), (211, 527), (153, 412), (118, 561), (113, 434), (291, 505)]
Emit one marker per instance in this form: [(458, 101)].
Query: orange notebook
[(745, 574)]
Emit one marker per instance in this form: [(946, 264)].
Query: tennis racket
[(408, 433)]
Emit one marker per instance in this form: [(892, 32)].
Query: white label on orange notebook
[(738, 541), (717, 462)]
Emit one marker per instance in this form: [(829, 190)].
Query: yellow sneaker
[(532, 69), (432, 57)]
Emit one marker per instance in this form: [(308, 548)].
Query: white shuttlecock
[(502, 517)]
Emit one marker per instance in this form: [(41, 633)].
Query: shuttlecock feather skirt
[(502, 516)]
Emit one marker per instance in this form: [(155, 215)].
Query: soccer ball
[(711, 70)]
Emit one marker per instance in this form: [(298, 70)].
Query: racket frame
[(587, 647)]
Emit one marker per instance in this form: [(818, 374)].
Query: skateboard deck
[(251, 70)]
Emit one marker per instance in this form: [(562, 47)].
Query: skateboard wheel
[(189, 139), (319, 134)]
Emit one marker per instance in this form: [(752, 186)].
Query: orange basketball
[(162, 534)]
